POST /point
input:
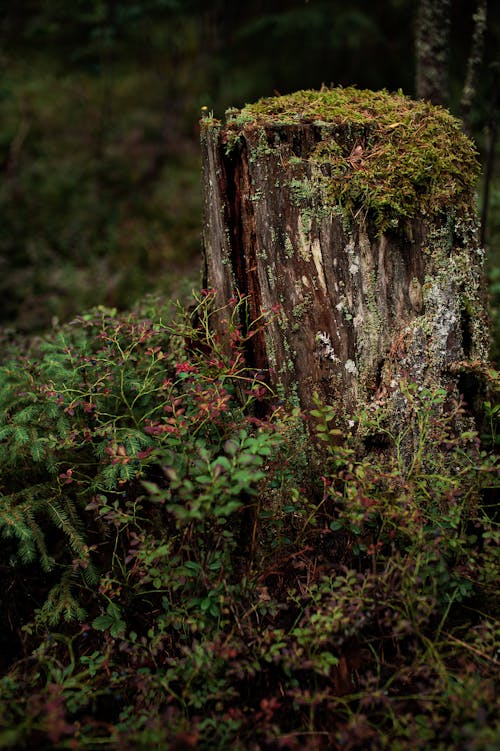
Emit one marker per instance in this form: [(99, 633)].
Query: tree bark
[(432, 49), (474, 63), (359, 310)]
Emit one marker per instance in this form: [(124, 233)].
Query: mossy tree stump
[(352, 214)]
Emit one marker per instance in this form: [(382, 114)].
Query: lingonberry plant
[(187, 565)]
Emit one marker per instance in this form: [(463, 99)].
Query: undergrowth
[(186, 565)]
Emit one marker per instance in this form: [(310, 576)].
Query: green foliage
[(223, 580), (88, 412)]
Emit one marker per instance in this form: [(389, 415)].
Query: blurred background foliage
[(99, 106)]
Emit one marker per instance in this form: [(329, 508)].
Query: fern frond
[(13, 521), (51, 465), (34, 494)]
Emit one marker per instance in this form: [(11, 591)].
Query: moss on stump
[(383, 153)]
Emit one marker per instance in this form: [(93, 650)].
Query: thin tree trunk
[(432, 51), (492, 129), (474, 63)]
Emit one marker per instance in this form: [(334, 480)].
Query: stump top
[(381, 152)]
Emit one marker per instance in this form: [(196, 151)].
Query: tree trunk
[(432, 50), (474, 63), (351, 215)]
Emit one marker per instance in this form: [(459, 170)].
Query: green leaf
[(222, 462), (111, 621), (204, 479), (231, 447), (336, 525), (151, 487), (192, 566), (103, 622), (227, 509)]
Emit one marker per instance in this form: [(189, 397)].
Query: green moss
[(302, 308), (394, 157), (289, 249)]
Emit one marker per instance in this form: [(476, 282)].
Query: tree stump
[(352, 214)]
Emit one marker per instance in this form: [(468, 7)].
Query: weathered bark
[(359, 309)]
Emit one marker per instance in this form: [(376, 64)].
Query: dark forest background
[(99, 107)]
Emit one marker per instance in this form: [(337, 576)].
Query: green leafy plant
[(88, 416)]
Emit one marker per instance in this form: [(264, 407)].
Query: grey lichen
[(324, 347)]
